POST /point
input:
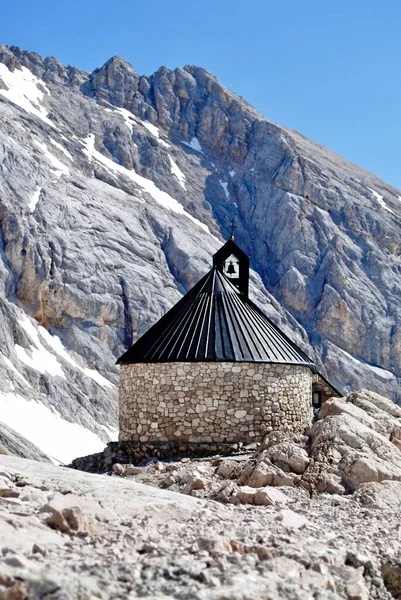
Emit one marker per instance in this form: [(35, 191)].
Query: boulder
[(214, 545), (291, 519), (259, 474), (244, 495), (262, 498), (383, 494), (266, 496), (228, 469), (132, 470), (75, 515), (288, 456), (119, 469), (169, 480), (224, 493), (193, 484)]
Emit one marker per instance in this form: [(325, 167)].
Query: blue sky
[(331, 70)]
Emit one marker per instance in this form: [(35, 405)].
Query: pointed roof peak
[(231, 243), (215, 322)]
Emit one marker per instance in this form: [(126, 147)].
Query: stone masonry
[(212, 402), (324, 387)]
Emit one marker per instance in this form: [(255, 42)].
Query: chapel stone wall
[(212, 402), (326, 390)]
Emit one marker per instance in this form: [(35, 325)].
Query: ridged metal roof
[(215, 322)]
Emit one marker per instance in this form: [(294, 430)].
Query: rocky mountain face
[(116, 189), (16, 445)]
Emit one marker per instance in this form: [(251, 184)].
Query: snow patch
[(34, 199), (378, 370), (15, 370), (60, 439), (57, 166), (62, 149), (56, 344), (224, 185), (161, 197), (38, 357), (89, 143), (26, 91), (127, 116), (231, 173), (155, 132), (178, 174), (130, 118), (380, 200), (381, 372), (96, 376), (194, 144), (152, 128), (112, 433)]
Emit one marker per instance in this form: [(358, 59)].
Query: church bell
[(231, 269)]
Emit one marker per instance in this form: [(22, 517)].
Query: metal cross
[(233, 226)]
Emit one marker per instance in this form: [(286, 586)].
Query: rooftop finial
[(233, 226)]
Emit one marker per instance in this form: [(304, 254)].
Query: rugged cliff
[(115, 189)]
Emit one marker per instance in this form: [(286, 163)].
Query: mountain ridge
[(7, 49)]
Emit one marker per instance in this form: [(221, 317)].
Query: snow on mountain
[(380, 200), (60, 439), (25, 90), (113, 198), (24, 410), (194, 144)]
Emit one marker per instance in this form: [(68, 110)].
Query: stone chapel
[(215, 368)]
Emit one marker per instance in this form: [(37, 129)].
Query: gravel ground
[(68, 534)]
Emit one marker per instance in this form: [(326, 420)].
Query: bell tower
[(233, 263)]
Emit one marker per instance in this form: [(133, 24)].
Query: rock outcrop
[(114, 188), (355, 441)]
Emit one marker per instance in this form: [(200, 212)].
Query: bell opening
[(231, 269)]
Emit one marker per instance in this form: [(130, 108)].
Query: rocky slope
[(115, 189), (16, 445), (68, 534)]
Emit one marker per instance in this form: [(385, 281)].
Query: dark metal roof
[(213, 322)]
